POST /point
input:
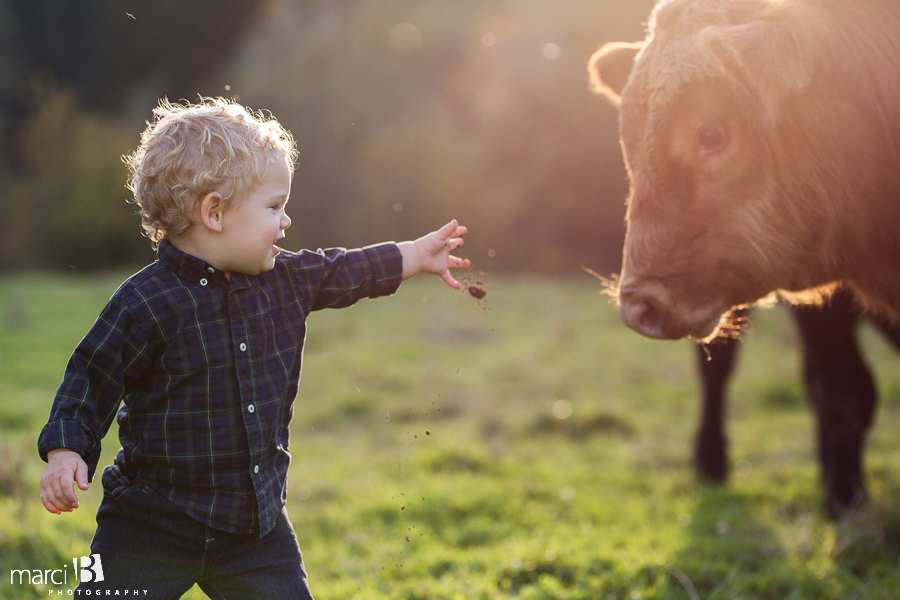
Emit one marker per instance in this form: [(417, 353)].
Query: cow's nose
[(642, 310)]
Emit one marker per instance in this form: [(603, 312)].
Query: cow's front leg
[(843, 395), (716, 363)]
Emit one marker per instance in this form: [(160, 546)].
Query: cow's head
[(706, 140)]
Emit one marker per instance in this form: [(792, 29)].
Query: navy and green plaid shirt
[(206, 371)]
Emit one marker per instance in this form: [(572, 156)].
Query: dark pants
[(147, 543)]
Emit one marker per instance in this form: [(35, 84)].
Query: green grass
[(431, 462)]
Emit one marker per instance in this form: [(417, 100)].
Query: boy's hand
[(431, 254), (63, 467)]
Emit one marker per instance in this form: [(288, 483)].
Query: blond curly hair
[(190, 150)]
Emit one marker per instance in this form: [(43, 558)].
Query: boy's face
[(255, 223)]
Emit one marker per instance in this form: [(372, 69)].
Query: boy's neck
[(198, 248)]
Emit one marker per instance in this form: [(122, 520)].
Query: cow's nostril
[(650, 319), (641, 312)]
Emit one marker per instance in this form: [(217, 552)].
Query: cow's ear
[(768, 56), (610, 67)]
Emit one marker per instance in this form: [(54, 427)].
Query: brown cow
[(762, 140)]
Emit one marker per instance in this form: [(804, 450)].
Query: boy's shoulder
[(147, 280), (139, 293)]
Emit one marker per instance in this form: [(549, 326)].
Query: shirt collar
[(191, 269)]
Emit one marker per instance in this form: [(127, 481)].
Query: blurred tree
[(406, 113), (68, 202), (104, 48), (70, 71), (409, 112), (9, 79)]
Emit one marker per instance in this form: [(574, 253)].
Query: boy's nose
[(285, 221)]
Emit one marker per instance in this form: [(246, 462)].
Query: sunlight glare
[(562, 409), (551, 51), (406, 38)]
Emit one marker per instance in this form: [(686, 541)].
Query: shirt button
[(203, 282), (256, 469), (243, 347), (251, 408), (210, 269)]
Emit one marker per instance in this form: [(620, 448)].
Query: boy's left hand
[(431, 254)]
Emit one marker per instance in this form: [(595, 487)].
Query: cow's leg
[(843, 395), (716, 362)]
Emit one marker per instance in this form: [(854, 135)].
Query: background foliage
[(406, 113)]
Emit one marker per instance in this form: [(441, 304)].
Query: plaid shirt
[(206, 370)]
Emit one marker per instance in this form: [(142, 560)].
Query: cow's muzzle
[(650, 309)]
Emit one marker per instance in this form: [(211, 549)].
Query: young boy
[(203, 350)]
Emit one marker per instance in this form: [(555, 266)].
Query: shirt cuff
[(74, 436), (387, 265)]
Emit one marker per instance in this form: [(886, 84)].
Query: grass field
[(524, 446)]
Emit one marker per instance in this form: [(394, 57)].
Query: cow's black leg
[(843, 395), (716, 362)]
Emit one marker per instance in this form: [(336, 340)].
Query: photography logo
[(91, 568), (91, 571)]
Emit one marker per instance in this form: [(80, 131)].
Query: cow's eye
[(712, 138)]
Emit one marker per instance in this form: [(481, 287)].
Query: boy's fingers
[(448, 279), (447, 230), (47, 504), (81, 475), (56, 505), (456, 243), (451, 229), (55, 492), (70, 499), (455, 261), (63, 490), (60, 505)]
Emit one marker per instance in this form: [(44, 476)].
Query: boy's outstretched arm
[(431, 254), (63, 467)]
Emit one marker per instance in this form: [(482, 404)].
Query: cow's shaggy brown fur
[(762, 139)]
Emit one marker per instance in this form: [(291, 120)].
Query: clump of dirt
[(475, 286)]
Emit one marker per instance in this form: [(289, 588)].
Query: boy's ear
[(610, 67), (212, 208)]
